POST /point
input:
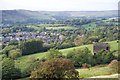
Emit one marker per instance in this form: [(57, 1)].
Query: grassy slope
[(64, 51), (93, 25), (89, 26), (23, 62), (99, 71), (113, 45), (62, 27), (49, 26)]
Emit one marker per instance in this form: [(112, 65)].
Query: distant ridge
[(21, 16)]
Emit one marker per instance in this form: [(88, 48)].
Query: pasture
[(52, 27), (24, 61), (94, 71), (113, 46)]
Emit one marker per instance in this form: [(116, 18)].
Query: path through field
[(108, 76)]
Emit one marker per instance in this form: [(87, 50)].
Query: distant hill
[(27, 16)]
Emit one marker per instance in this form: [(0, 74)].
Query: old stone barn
[(100, 46)]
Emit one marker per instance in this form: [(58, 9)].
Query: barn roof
[(100, 46)]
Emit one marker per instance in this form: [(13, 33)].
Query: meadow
[(24, 61), (94, 71), (94, 25), (113, 46), (65, 27), (52, 26)]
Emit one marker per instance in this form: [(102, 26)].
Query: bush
[(3, 56), (81, 56), (9, 48), (117, 54), (46, 47), (31, 67), (86, 65), (15, 53), (8, 69), (115, 66), (13, 42), (103, 57), (54, 53), (56, 68)]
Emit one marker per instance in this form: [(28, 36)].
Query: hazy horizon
[(59, 5), (59, 11)]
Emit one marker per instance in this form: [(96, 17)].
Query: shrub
[(81, 56), (31, 67), (115, 66), (103, 57), (9, 48), (3, 56), (8, 69), (13, 42), (15, 53), (86, 66), (54, 53), (117, 54), (56, 68)]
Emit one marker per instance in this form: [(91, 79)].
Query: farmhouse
[(100, 46)]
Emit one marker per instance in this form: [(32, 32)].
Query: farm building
[(100, 46)]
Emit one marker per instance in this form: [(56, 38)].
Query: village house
[(100, 46), (46, 37)]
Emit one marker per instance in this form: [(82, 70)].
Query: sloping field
[(113, 46), (24, 61)]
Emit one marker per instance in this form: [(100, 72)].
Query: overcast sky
[(59, 5)]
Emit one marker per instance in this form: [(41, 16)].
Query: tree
[(13, 42), (78, 41), (54, 53), (31, 46), (8, 69), (15, 53), (81, 56), (103, 57), (56, 68), (9, 48), (31, 67), (114, 66)]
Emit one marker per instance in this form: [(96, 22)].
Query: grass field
[(50, 25), (23, 62), (64, 51), (99, 71), (113, 46), (65, 27), (24, 59), (90, 26), (36, 28), (93, 25), (54, 28)]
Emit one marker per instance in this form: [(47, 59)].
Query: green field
[(65, 27), (94, 71), (23, 62), (50, 26), (90, 26), (93, 25), (36, 28), (64, 51), (113, 46)]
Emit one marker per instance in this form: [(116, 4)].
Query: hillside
[(25, 60), (113, 45), (27, 16)]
